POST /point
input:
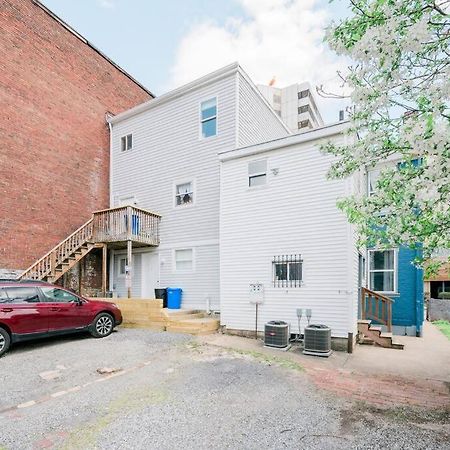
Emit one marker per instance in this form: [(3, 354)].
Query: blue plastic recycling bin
[(174, 298)]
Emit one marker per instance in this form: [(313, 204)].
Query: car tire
[(5, 341), (102, 325)]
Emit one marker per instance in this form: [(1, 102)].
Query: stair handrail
[(54, 261), (386, 307)]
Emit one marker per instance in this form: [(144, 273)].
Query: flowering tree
[(400, 83)]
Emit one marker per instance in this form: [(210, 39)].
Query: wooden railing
[(377, 307), (126, 223), (47, 264)]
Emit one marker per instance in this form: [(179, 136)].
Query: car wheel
[(103, 325), (5, 342)]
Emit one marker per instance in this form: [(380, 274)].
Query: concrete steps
[(370, 334)]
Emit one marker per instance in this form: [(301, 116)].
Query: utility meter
[(256, 293)]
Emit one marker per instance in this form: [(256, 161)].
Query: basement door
[(150, 274)]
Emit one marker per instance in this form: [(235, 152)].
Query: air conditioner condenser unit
[(276, 334), (317, 340)]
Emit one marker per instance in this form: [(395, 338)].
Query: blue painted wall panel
[(408, 307)]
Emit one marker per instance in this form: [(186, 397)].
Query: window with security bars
[(287, 271)]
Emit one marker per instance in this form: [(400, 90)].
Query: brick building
[(55, 90)]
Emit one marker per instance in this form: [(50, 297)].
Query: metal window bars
[(287, 271)]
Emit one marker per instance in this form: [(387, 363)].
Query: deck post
[(129, 270), (104, 268)]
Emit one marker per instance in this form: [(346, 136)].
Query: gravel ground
[(190, 396)]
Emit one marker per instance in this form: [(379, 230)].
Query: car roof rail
[(25, 280)]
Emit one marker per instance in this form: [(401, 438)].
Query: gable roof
[(89, 44), (212, 77)]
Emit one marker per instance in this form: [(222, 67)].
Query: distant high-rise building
[(295, 104)]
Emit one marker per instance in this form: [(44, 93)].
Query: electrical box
[(256, 293)]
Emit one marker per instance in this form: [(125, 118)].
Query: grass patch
[(285, 363), (444, 326), (405, 414), (86, 435)]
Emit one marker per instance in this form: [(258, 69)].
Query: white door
[(150, 274)]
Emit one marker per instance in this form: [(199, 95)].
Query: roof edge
[(287, 141), (89, 44), (177, 92)]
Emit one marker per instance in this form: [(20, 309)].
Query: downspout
[(419, 298), (111, 261)]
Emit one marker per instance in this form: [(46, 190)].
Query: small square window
[(303, 124), (372, 181), (287, 271), (184, 194), (126, 142), (303, 94), (208, 118), (184, 259), (303, 109), (257, 173)]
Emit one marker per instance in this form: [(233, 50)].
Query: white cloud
[(281, 38), (106, 3)]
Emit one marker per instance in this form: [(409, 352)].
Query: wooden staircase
[(114, 226), (61, 258), (377, 307), (370, 334)]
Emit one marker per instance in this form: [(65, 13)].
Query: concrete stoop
[(149, 313)]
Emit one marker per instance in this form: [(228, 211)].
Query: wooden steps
[(370, 334), (149, 313), (191, 322)]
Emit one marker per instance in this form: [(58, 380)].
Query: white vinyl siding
[(296, 213), (257, 121)]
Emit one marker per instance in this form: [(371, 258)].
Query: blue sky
[(167, 43)]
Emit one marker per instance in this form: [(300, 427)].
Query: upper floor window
[(383, 270), (257, 172), (126, 142), (303, 109), (303, 94), (184, 193), (372, 180), (303, 124), (208, 119)]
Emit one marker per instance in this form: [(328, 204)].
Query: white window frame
[(119, 260), (174, 260), (201, 120), (394, 270), (126, 138), (176, 183), (257, 174), (369, 177)]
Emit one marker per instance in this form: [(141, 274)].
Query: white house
[(164, 158), (280, 228)]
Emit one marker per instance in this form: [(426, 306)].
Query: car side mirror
[(78, 302)]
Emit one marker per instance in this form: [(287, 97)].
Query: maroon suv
[(30, 310)]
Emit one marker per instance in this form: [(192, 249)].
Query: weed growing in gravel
[(285, 363), (86, 435)]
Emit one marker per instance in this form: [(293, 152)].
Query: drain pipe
[(208, 304)]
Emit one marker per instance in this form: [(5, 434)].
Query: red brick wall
[(54, 141)]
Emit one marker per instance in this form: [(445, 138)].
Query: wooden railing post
[(389, 318), (363, 304)]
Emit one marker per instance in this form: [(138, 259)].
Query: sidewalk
[(418, 375)]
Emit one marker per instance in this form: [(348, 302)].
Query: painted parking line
[(72, 389)]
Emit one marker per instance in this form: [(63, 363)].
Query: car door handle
[(7, 309), (54, 309)]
